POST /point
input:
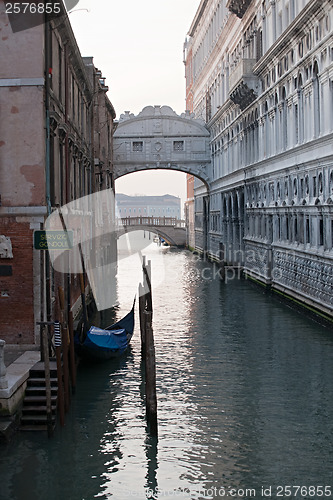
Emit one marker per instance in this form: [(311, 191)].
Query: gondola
[(104, 344)]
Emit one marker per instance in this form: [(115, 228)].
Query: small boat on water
[(111, 342)]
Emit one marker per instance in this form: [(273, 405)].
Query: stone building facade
[(148, 206), (260, 73), (56, 130)]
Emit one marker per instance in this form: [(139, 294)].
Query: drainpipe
[(67, 174), (48, 72), (66, 121)]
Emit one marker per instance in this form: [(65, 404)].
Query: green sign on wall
[(53, 240)]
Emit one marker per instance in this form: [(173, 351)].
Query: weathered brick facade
[(17, 290), (56, 129)]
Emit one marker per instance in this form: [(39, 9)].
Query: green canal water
[(245, 406)]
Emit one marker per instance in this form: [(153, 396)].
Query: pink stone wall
[(22, 132), (21, 54), (22, 146)]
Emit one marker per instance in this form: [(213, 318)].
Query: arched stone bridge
[(158, 138), (170, 229)]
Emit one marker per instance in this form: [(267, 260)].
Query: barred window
[(138, 146), (178, 145)]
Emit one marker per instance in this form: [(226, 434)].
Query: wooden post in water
[(151, 399), (146, 268), (46, 356), (65, 352), (147, 347), (83, 299), (142, 307), (72, 352), (65, 342), (221, 259)]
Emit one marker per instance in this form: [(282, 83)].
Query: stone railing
[(151, 221)]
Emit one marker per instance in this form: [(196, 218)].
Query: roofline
[(197, 17)]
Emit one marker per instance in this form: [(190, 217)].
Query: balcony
[(243, 84), (238, 7)]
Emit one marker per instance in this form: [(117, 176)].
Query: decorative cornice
[(197, 17)]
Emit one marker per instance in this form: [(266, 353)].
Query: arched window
[(295, 229), (321, 231), (316, 100), (284, 120), (256, 135), (300, 111), (307, 230), (277, 124), (267, 130)]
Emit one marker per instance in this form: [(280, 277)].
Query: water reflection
[(244, 400), (152, 465)]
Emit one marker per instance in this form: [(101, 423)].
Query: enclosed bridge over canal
[(158, 138)]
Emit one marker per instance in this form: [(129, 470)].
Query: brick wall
[(16, 291)]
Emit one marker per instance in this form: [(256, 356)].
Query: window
[(321, 232), (60, 74), (178, 145), (73, 96), (259, 44), (307, 231), (138, 146), (296, 123)]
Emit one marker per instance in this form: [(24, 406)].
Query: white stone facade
[(260, 73)]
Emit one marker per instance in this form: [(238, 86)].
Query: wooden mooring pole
[(148, 348), (65, 347), (72, 364), (142, 307), (150, 364)]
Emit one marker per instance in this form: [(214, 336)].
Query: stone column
[(3, 371)]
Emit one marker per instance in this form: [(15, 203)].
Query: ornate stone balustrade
[(305, 274), (293, 271)]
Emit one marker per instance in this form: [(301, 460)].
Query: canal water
[(245, 406)]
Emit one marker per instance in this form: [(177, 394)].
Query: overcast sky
[(138, 46)]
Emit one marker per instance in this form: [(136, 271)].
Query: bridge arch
[(170, 229), (158, 138)]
